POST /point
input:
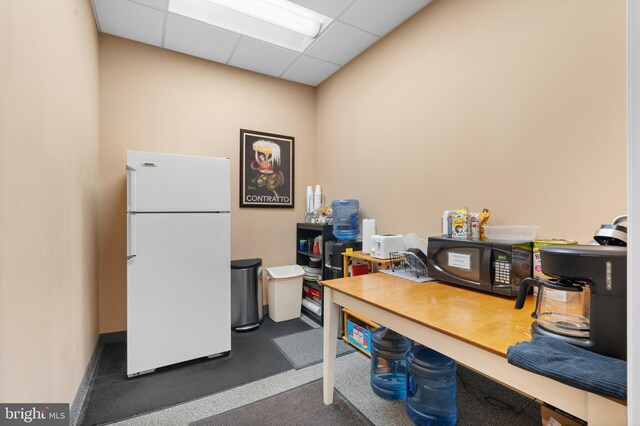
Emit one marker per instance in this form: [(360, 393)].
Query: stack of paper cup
[(309, 199), (317, 198), (368, 230)]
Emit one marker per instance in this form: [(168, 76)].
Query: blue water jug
[(431, 387), (345, 219), (388, 363)]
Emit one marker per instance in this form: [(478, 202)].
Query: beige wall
[(517, 106), (157, 100), (48, 197)]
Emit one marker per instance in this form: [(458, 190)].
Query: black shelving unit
[(313, 316), (304, 231)]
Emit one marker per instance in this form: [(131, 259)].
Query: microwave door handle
[(485, 273)]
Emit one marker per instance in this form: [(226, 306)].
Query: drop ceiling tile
[(358, 24), (340, 43), (198, 39), (130, 20), (381, 16), (260, 57), (331, 8), (156, 4), (311, 71)]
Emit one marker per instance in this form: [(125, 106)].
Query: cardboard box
[(359, 334), (312, 292), (552, 416)]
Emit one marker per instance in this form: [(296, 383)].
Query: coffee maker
[(333, 256), (585, 301)]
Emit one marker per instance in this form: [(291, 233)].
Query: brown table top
[(481, 319)]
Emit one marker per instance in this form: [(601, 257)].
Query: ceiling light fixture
[(277, 12), (278, 22)]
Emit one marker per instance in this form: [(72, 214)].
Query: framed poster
[(266, 170)]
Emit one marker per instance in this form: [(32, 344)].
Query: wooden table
[(471, 327), (384, 263)]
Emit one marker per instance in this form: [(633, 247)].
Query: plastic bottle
[(345, 219), (388, 364), (431, 387)]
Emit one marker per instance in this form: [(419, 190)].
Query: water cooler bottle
[(431, 387), (388, 364)]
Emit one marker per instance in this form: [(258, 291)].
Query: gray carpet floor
[(479, 400), (305, 348), (113, 396), (302, 405)]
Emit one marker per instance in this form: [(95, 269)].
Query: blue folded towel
[(572, 365)]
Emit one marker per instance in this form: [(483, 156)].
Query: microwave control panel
[(502, 269)]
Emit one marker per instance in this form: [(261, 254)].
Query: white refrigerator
[(178, 257)]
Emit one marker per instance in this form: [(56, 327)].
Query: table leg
[(330, 339), (345, 266)]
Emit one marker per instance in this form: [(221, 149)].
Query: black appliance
[(592, 312), (333, 260), (492, 266)]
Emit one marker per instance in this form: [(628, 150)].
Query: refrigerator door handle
[(131, 236), (132, 193)]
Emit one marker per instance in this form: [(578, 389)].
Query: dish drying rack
[(407, 260)]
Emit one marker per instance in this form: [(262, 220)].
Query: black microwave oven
[(491, 266)]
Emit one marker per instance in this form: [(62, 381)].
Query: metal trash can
[(246, 294)]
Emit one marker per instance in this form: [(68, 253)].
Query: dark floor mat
[(253, 356), (299, 406)]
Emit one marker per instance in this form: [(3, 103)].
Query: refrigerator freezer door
[(178, 289), (177, 183)]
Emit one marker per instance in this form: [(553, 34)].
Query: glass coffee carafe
[(562, 305)]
